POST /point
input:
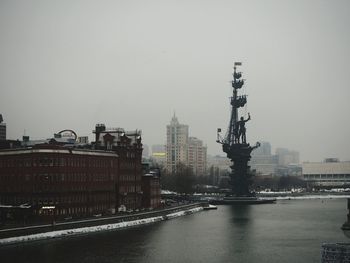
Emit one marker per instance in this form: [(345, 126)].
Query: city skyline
[(70, 65)]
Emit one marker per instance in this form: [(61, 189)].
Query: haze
[(131, 64)]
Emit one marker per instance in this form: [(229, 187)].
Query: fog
[(132, 64)]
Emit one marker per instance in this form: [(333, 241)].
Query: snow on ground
[(303, 197), (183, 213), (91, 229)]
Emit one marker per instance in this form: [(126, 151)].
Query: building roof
[(60, 150)]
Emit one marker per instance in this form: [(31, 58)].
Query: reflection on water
[(288, 231), (241, 216)]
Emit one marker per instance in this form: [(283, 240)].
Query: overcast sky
[(131, 64)]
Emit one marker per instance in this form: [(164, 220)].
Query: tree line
[(184, 181)]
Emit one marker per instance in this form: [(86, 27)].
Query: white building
[(331, 172), (177, 143), (181, 148)]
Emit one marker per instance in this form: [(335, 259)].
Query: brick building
[(76, 182), (60, 180), (151, 189)]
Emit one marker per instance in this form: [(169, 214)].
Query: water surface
[(288, 231)]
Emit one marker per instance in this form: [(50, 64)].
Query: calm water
[(288, 231)]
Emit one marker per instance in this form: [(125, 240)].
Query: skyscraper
[(177, 143), (181, 148), (197, 156)]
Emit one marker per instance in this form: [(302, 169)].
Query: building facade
[(75, 183), (331, 172), (284, 162), (151, 189), (286, 157), (177, 144), (58, 179), (262, 161), (128, 146), (158, 155), (197, 156), (182, 149)]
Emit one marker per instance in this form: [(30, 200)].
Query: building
[(221, 162), (284, 162), (158, 155), (286, 157), (145, 151), (331, 172), (197, 156), (2, 129), (262, 161), (264, 164), (181, 148), (263, 149), (158, 148), (177, 144), (60, 179), (83, 139), (159, 158), (218, 168), (73, 182), (151, 188), (128, 146)]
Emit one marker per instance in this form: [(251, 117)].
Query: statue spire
[(234, 143)]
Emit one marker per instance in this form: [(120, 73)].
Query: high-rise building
[(2, 129), (197, 156), (181, 148), (177, 143)]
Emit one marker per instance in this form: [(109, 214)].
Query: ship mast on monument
[(234, 144)]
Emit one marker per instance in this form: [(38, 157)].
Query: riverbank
[(304, 195), (278, 196), (288, 231), (64, 229)]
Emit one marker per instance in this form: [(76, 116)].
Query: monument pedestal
[(241, 200)]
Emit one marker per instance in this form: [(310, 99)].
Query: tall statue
[(234, 144), (242, 129)]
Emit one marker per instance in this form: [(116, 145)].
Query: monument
[(235, 145)]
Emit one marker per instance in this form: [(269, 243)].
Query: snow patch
[(91, 229), (303, 197)]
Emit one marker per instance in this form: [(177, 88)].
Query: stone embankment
[(85, 226)]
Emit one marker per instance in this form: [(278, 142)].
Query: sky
[(133, 64)]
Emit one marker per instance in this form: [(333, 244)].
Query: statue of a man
[(242, 129)]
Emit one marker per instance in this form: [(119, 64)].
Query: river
[(288, 231)]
